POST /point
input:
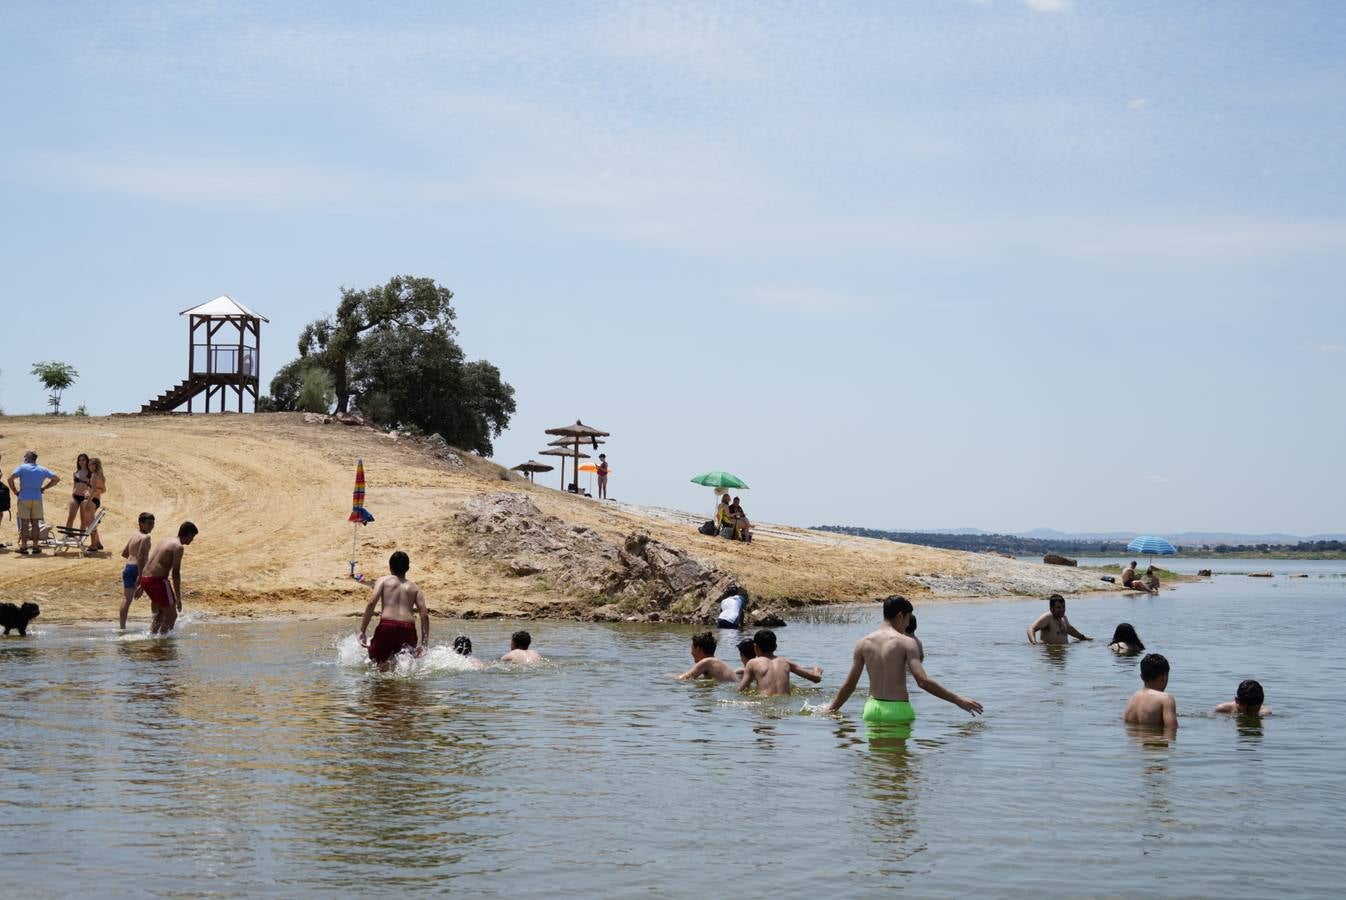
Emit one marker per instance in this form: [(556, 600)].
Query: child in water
[(1150, 705), (706, 663), (772, 672), (1125, 640), (1247, 701)]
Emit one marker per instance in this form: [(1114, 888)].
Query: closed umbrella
[(359, 515)]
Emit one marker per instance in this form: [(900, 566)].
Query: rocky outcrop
[(640, 579), (1054, 559)]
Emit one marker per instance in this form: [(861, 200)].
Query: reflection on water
[(246, 759)]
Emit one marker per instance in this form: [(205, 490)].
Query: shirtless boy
[(772, 672), (706, 662), (137, 555), (1247, 701), (1055, 627), (462, 645), (1132, 583), (165, 561), (519, 643), (401, 600), (887, 654), (1150, 705)]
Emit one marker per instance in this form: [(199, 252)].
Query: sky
[(929, 264)]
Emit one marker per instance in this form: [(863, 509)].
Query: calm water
[(264, 758)]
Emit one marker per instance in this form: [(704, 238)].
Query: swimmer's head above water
[(1057, 604), (911, 624), (703, 645), (462, 645), (746, 650), (1249, 696), (1154, 671), (520, 640)]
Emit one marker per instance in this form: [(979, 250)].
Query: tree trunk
[(339, 380)]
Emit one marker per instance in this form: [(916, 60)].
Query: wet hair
[(765, 640), (706, 641), (1125, 634), (462, 645), (1153, 666), (911, 624), (187, 529), (520, 639), (399, 563), (1249, 695), (1054, 598), (746, 649), (895, 605), (145, 517)]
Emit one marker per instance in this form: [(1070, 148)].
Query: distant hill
[(1196, 538), (1045, 540)]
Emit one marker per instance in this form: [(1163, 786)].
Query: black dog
[(18, 617)]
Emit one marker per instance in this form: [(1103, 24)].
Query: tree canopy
[(391, 350), (55, 377)]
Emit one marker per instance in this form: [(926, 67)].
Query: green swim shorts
[(896, 711)]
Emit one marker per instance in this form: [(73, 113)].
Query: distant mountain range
[(1186, 537)]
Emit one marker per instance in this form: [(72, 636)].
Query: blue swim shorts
[(130, 576)]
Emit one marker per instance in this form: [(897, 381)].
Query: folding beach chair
[(63, 538)]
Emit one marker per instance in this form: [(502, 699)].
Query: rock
[(763, 619), (316, 419), (1053, 559), (1204, 573), (520, 568), (346, 418)]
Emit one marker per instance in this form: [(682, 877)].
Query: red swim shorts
[(160, 591), (390, 638)]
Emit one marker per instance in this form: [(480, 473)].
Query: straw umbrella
[(577, 434), (563, 453), (528, 468)]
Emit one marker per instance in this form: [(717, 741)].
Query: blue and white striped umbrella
[(1151, 545)]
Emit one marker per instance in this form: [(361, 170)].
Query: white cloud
[(1048, 6), (1138, 103), (1329, 348)]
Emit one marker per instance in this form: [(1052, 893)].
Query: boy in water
[(1055, 627), (1150, 705), (771, 672), (519, 642), (887, 654), (396, 630), (165, 561), (137, 556), (706, 662), (1247, 701), (462, 645)]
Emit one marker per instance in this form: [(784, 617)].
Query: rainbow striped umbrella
[(359, 515)]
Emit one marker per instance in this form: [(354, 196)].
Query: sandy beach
[(271, 493)]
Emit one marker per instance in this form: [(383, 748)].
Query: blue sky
[(905, 264)]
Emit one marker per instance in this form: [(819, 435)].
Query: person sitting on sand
[(1131, 582), (1152, 580), (165, 562), (401, 599), (1247, 701), (771, 672), (519, 642), (887, 654), (742, 527), (137, 556), (462, 645), (724, 520), (1055, 627), (1125, 640), (911, 633), (1150, 705), (705, 663)]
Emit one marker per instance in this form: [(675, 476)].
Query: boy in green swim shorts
[(887, 654)]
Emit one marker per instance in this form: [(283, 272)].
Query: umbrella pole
[(354, 531)]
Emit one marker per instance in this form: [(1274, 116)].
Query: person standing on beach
[(137, 556), (396, 630), (887, 654), (165, 561), (1150, 705), (33, 481), (1055, 627), (602, 476)]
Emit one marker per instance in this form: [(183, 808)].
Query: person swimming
[(462, 645), (519, 642), (705, 662), (772, 672), (1125, 640), (1247, 701), (1150, 705)]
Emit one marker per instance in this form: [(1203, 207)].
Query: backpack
[(4, 498), (708, 528)]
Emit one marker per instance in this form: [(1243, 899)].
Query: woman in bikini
[(97, 488), (80, 492)]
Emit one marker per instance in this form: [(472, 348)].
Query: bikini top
[(82, 476)]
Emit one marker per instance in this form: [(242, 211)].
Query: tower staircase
[(175, 396)]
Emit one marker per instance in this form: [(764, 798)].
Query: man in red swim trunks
[(396, 630), (165, 561)]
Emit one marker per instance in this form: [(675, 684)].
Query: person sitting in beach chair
[(742, 527), (724, 518)]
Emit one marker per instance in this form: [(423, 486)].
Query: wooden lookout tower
[(217, 363)]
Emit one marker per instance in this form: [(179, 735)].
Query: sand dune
[(271, 494)]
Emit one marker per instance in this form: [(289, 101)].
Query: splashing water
[(437, 659)]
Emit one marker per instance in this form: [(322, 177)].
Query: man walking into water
[(165, 561), (1053, 624), (396, 630), (887, 655), (137, 555)]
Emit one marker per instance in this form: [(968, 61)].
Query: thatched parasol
[(528, 468), (563, 452), (577, 434)]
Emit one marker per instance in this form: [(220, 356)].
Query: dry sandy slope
[(271, 494)]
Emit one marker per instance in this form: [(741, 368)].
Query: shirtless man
[(707, 664), (165, 560), (137, 556), (1150, 705), (396, 630), (1247, 701), (1132, 583), (887, 654), (1055, 627), (519, 642), (772, 672)]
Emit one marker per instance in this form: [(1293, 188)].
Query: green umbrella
[(720, 480)]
